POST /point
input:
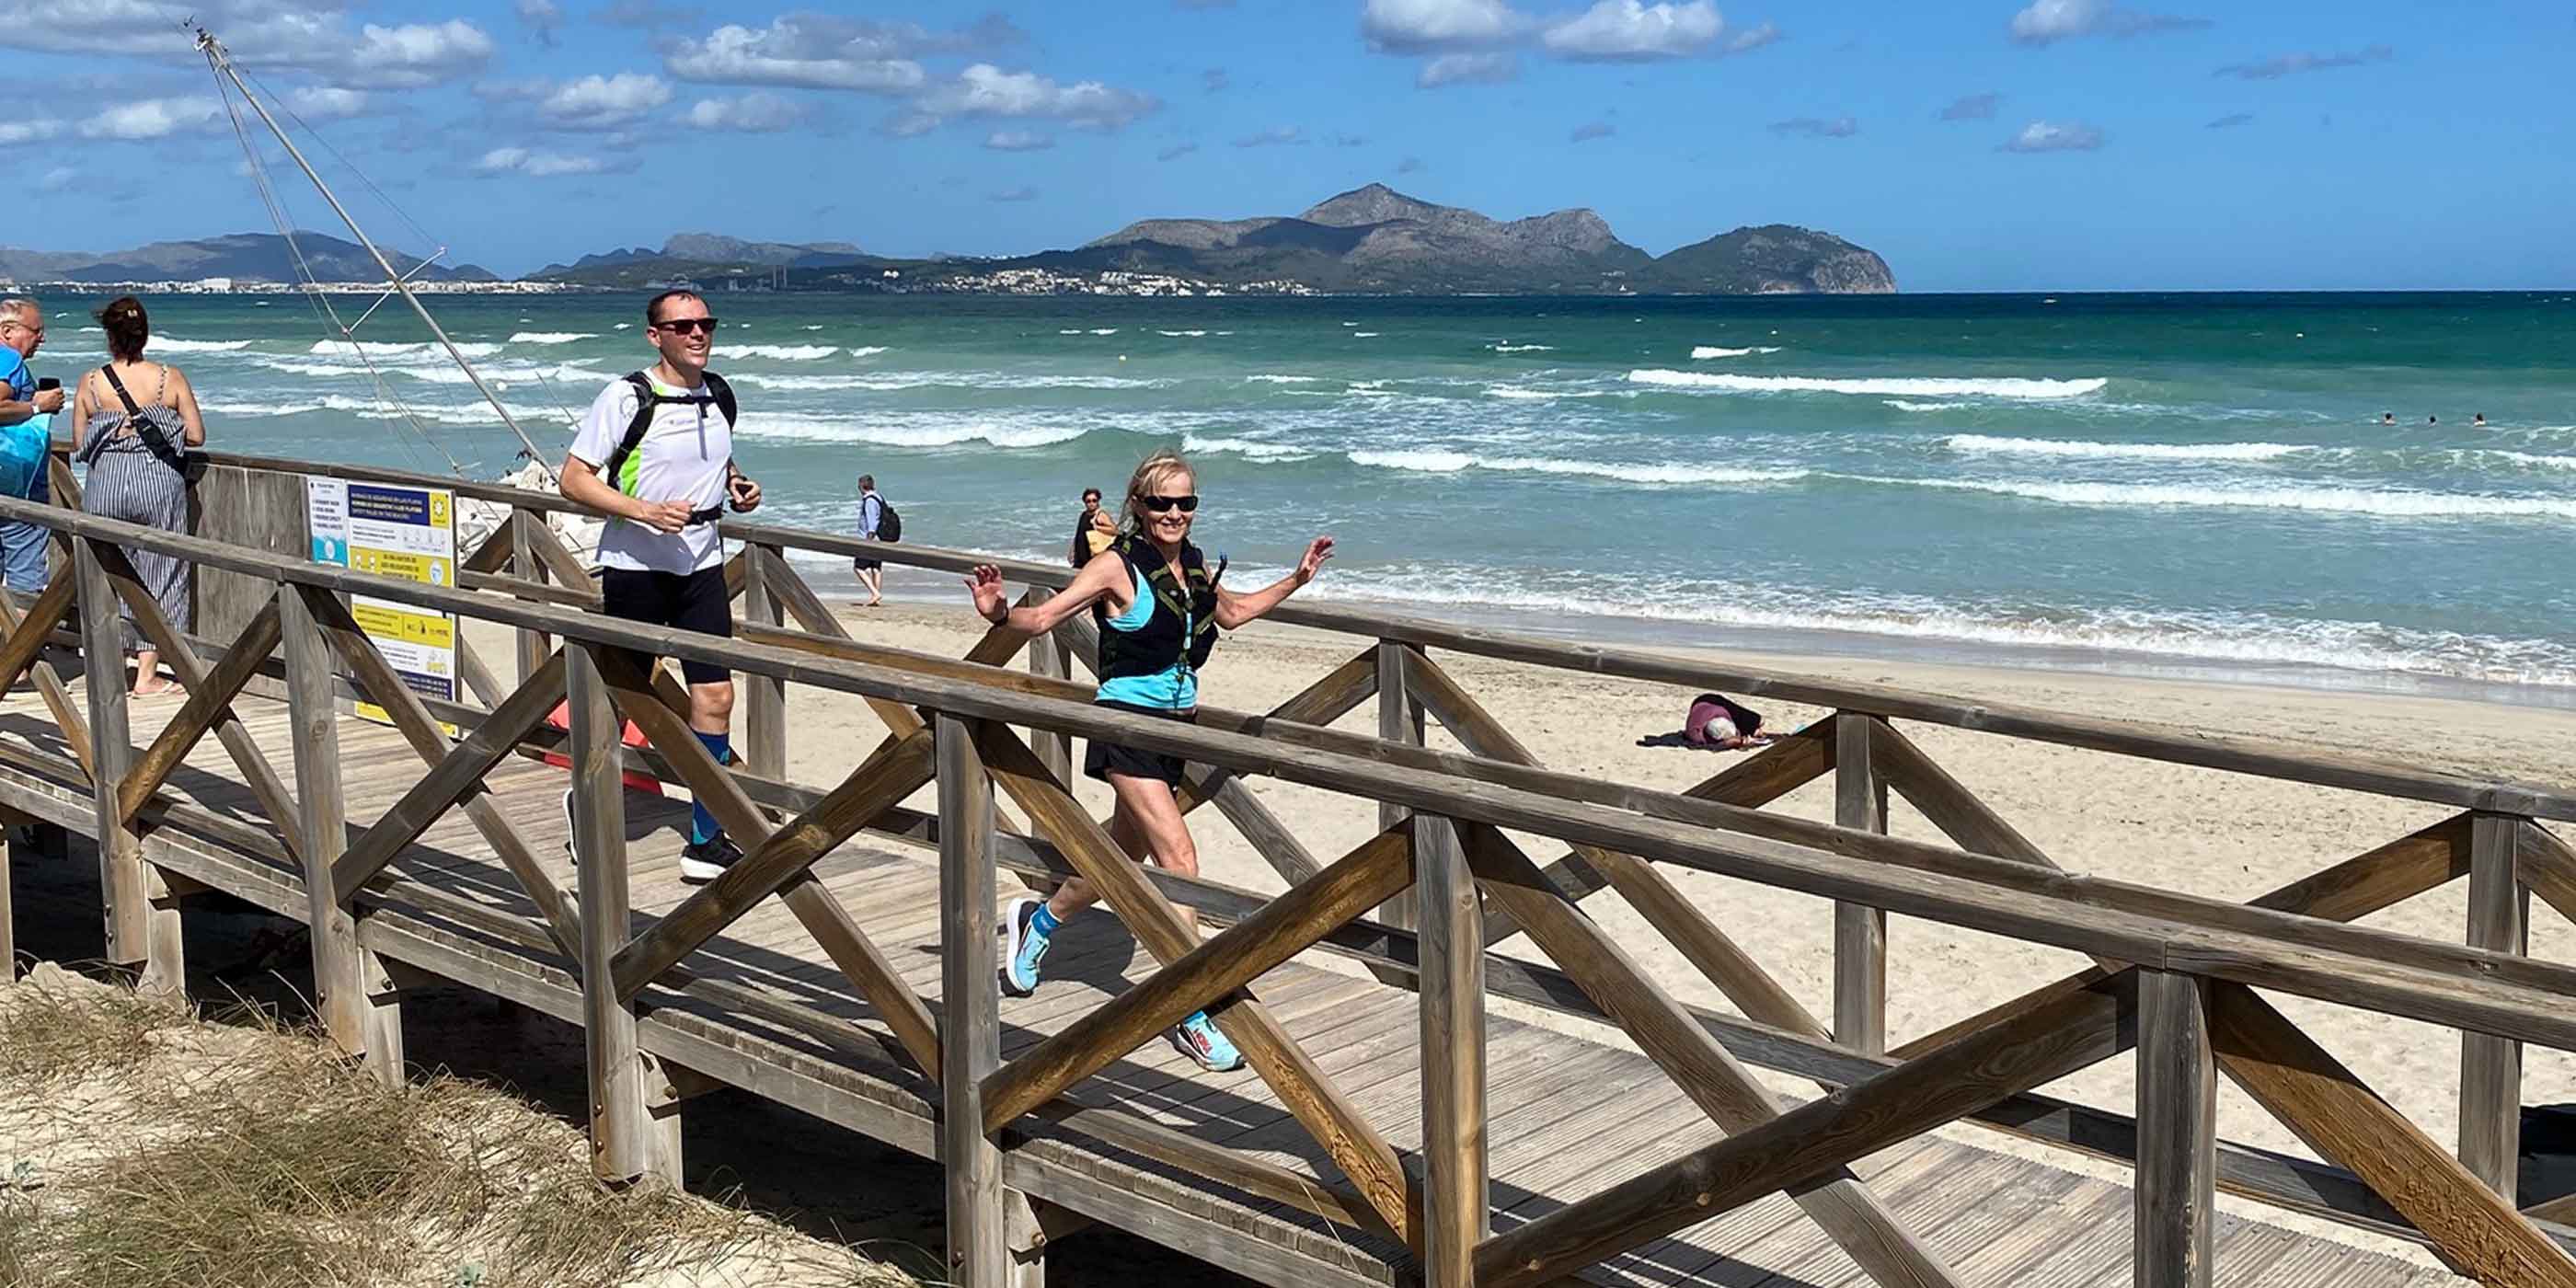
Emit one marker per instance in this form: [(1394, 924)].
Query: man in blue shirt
[(26, 435)]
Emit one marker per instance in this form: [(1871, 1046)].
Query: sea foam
[(1983, 443), (1445, 462), (1899, 386), (1707, 351), (2327, 500), (777, 352), (173, 344), (550, 337)]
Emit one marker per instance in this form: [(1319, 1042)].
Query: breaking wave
[(173, 344), (1707, 351), (1520, 348), (1983, 443), (550, 337), (1896, 386), (777, 352), (1440, 462), (2326, 500)]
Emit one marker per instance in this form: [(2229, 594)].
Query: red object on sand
[(561, 718)]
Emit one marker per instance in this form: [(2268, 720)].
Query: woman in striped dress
[(131, 422)]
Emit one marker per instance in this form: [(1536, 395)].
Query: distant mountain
[(263, 257), (1372, 240), (700, 256)]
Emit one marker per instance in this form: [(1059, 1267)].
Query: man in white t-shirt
[(661, 559)]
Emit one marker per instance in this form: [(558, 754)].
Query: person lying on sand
[(1715, 723)]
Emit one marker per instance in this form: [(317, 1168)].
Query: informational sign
[(407, 533)]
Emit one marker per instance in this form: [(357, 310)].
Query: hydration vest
[(1188, 596), (623, 466)]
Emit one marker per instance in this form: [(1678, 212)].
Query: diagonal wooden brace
[(2467, 1223), (1653, 895), (68, 719), (1378, 870), (1793, 1151), (630, 685), (26, 643), (460, 773), (1697, 1063), (257, 773), (384, 686), (1328, 1116), (209, 706), (880, 783)]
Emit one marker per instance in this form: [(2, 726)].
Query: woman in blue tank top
[(1159, 607)]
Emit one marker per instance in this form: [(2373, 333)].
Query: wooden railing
[(2174, 973)]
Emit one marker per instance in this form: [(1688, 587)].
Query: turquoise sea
[(2193, 484)]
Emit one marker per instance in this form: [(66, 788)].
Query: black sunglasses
[(1185, 504), (686, 325)]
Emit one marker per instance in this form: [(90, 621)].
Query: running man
[(1159, 607), (655, 452)]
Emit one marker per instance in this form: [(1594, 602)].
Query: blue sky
[(2057, 145)]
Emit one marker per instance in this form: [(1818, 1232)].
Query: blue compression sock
[(1043, 920), (703, 825)]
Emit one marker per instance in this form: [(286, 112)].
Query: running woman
[(1159, 607)]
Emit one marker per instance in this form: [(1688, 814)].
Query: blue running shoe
[(1199, 1040), (1024, 945)]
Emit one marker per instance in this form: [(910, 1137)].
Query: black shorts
[(864, 564), (690, 601), (1100, 759)]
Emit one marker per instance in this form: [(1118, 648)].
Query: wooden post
[(1860, 931), (620, 1121), (12, 849), (2491, 1067), (1050, 659), (970, 1026), (527, 566), (764, 698), (1457, 1214), (358, 1000), (2176, 1194), (142, 925), (1399, 719)]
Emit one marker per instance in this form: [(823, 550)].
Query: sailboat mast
[(222, 63)]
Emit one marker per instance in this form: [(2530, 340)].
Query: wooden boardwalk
[(761, 1008)]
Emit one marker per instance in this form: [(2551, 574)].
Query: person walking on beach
[(26, 436), (871, 521), (1082, 550), (655, 454), (1159, 607), (138, 472)]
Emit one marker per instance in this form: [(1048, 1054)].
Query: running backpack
[(647, 399)]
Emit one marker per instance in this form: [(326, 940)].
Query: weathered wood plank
[(764, 698), (620, 1124), (970, 1022), (1201, 978), (460, 773), (123, 876), (358, 1019), (1860, 931), (1399, 721), (2491, 1067), (2176, 1205), (68, 720), (1457, 1207)]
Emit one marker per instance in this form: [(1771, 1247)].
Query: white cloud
[(154, 118), (28, 130), (1440, 26), (2293, 64), (2048, 21), (1628, 31), (1468, 69), (986, 90), (904, 125), (1752, 38), (749, 114), (1274, 137), (1972, 107), (1591, 130), (797, 50), (603, 102), (2051, 136), (329, 102), (57, 179), (1840, 127), (537, 165), (412, 55), (540, 17), (1021, 193), (1019, 141)]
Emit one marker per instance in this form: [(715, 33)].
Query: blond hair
[(1161, 465)]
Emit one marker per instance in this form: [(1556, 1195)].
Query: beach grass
[(146, 1147)]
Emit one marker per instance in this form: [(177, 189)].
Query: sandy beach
[(2186, 829)]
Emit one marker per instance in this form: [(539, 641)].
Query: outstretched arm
[(1234, 611), (1105, 575)]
